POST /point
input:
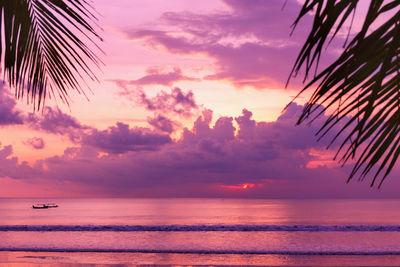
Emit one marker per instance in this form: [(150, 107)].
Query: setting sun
[(238, 187)]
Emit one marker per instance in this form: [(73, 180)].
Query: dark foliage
[(363, 82), (43, 48)]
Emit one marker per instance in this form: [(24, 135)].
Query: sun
[(239, 186)]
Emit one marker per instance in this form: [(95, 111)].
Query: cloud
[(11, 167), (49, 120), (120, 139), (176, 102), (272, 158), (162, 123), (9, 114), (203, 155), (154, 75), (35, 142), (56, 122), (207, 160), (251, 44)]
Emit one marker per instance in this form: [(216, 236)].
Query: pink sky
[(190, 104)]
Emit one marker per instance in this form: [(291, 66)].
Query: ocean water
[(201, 231)]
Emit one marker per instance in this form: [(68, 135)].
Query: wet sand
[(61, 259)]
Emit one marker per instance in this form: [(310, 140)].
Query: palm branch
[(360, 90), (43, 49)]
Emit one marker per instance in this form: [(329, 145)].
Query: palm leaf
[(43, 48), (363, 83)]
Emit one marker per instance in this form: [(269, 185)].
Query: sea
[(217, 232)]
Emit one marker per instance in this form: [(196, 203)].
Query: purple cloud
[(251, 44), (177, 101), (156, 76), (11, 167), (162, 123), (35, 142), (121, 139), (9, 114), (206, 160), (56, 122)]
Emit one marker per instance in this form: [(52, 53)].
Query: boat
[(45, 206), (40, 206)]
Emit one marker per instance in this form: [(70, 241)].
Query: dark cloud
[(56, 122), (207, 160), (120, 139), (9, 114), (162, 123), (11, 167), (156, 76), (251, 44), (275, 159), (176, 102), (49, 120), (35, 142)]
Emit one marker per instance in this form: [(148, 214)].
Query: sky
[(191, 103)]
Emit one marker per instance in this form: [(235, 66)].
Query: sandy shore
[(61, 259)]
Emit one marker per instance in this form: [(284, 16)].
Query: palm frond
[(363, 83), (43, 47)]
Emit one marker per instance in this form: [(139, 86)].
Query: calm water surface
[(200, 211), (213, 227)]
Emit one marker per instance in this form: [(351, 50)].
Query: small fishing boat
[(40, 206), (45, 206)]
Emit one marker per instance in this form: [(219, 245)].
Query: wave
[(201, 228), (270, 252)]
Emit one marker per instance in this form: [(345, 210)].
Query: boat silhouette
[(44, 206)]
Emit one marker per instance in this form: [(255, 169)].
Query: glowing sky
[(190, 104)]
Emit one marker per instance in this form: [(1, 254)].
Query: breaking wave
[(201, 228)]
